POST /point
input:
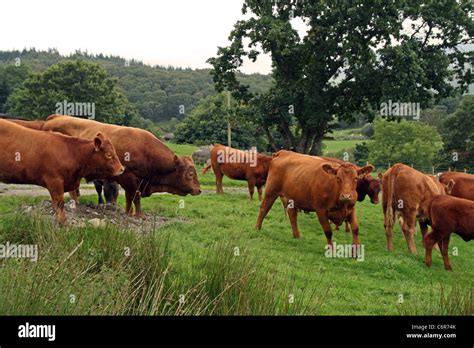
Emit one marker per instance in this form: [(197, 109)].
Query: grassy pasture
[(211, 260)]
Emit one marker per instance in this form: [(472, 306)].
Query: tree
[(70, 82), (458, 152), (11, 77), (407, 142), (207, 124), (354, 55)]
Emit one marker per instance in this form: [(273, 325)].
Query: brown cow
[(54, 161), (408, 193), (150, 164), (366, 186), (313, 184), (239, 165), (464, 187), (449, 214)]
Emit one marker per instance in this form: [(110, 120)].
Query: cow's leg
[(98, 189), (354, 227), (347, 227), (74, 196), (128, 202), (219, 175), (409, 227), (56, 190), (265, 206), (424, 231), (285, 205), (323, 220), (259, 190), (137, 202), (293, 215), (251, 186), (429, 241), (444, 251)]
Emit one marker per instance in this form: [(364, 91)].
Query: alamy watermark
[(400, 109), (76, 109), (19, 251), (231, 156), (356, 251)]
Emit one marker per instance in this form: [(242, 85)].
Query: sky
[(182, 33)]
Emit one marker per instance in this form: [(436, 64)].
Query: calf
[(407, 192), (54, 161), (313, 184), (239, 165), (449, 214)]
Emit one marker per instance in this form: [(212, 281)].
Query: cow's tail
[(206, 167), (390, 214)]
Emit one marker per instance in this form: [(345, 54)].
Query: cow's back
[(464, 184), (137, 149)]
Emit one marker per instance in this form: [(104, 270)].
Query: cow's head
[(104, 160), (187, 180), (346, 176), (368, 186), (180, 181)]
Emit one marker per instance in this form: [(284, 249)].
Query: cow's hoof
[(448, 268), (428, 263)]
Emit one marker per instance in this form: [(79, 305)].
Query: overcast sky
[(181, 33)]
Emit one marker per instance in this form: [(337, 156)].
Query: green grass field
[(211, 260)]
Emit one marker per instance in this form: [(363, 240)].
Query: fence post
[(465, 170), (432, 169), (449, 169)]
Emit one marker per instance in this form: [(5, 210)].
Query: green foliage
[(354, 55), (74, 82), (11, 77), (361, 154), (207, 124), (406, 141), (156, 92), (458, 137)]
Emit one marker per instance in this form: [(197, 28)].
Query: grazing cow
[(449, 214), (464, 187), (407, 192), (148, 162), (111, 191), (54, 161), (313, 184), (239, 165)]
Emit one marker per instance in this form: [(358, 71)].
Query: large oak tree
[(355, 55)]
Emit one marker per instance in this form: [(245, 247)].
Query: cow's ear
[(177, 161), (365, 170), (380, 175), (98, 141), (328, 168), (449, 186)]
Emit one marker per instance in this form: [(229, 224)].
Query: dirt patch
[(83, 215)]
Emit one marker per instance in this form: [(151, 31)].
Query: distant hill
[(157, 92)]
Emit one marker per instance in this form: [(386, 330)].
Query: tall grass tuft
[(109, 271)]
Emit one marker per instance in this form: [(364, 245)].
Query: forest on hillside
[(158, 93)]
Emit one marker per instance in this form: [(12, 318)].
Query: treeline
[(157, 93)]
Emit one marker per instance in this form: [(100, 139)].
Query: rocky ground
[(91, 215)]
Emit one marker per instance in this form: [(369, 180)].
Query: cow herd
[(58, 152)]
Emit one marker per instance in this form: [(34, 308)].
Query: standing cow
[(239, 165), (407, 192), (149, 163), (449, 214), (313, 184), (54, 161)]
